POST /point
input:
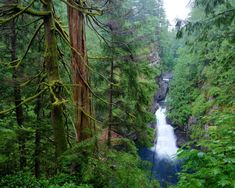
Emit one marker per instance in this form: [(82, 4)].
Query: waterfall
[(165, 144), (162, 155)]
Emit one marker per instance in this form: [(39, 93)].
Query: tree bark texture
[(56, 87), (81, 92)]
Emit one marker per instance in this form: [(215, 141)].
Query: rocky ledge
[(180, 132)]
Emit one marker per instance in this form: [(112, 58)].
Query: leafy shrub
[(7, 157), (215, 166), (22, 180), (26, 180), (62, 178), (106, 168), (70, 185)]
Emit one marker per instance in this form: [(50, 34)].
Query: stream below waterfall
[(164, 163)]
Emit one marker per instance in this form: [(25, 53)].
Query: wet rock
[(161, 94), (169, 121), (192, 120), (163, 83), (182, 137), (152, 125), (181, 133), (213, 109), (155, 107)]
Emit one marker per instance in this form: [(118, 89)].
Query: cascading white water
[(162, 155), (165, 146)]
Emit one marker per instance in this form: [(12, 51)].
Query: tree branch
[(20, 10), (23, 102)]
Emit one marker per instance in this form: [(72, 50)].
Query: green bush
[(26, 180), (215, 166), (70, 185), (106, 168), (22, 180)]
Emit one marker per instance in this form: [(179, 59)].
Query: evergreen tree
[(203, 92)]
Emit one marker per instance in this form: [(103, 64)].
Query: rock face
[(163, 83), (182, 137), (182, 132)]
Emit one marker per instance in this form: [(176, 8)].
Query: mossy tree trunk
[(56, 87), (81, 92)]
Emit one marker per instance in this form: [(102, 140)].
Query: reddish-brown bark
[(81, 93)]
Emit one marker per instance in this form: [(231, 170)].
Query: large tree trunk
[(56, 87), (17, 96), (81, 93)]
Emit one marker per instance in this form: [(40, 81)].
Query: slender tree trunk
[(51, 60), (37, 141), (81, 93), (37, 150), (110, 105), (17, 96)]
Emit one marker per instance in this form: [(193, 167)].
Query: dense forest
[(79, 81)]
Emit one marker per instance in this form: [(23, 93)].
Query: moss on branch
[(19, 9), (34, 12), (84, 10), (4, 112)]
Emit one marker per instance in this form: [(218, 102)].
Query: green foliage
[(62, 179), (7, 156), (26, 180), (134, 69), (203, 86), (22, 180), (180, 94), (215, 167), (113, 170), (140, 44), (105, 168)]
